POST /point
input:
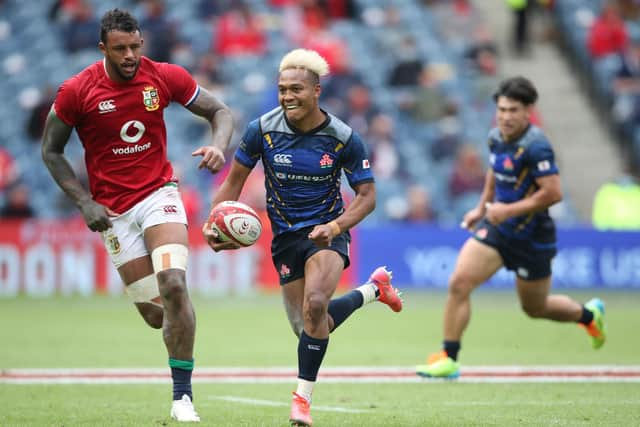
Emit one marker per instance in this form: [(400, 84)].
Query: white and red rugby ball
[(236, 222)]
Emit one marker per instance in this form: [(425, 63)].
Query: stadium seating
[(36, 40)]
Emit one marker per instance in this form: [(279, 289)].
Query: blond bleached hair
[(305, 59)]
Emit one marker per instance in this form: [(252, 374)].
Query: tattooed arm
[(55, 138)]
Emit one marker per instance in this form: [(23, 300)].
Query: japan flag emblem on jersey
[(150, 98)]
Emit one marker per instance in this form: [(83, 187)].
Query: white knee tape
[(144, 290), (169, 256)]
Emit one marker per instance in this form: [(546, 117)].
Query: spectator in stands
[(8, 169), (629, 10), (520, 10), (17, 202), (467, 175), (608, 34), (409, 65), (208, 73), (428, 104), (382, 147), (342, 77), (38, 115), (160, 35), (80, 31), (617, 203), (626, 88), (239, 32), (445, 144), (419, 205), (208, 9), (360, 110)]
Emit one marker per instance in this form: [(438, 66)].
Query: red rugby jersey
[(122, 129)]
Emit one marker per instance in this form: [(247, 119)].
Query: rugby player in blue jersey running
[(512, 228), (304, 151)]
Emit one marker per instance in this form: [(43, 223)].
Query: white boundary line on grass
[(355, 374), (260, 402)]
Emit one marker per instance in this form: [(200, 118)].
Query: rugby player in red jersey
[(116, 106)]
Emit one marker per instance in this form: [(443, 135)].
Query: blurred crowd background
[(413, 77)]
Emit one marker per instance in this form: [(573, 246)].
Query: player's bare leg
[(167, 244), (476, 263), (321, 276), (139, 273), (292, 299), (537, 303)]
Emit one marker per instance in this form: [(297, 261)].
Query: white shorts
[(125, 240)]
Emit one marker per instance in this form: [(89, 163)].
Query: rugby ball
[(236, 222)]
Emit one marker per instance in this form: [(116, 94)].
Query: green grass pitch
[(103, 332)]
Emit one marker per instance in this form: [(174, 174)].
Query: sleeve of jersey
[(183, 87), (249, 150), (541, 159), (355, 161), (66, 104)]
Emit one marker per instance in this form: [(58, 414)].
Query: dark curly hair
[(518, 88), (117, 20)]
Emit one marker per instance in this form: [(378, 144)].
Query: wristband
[(335, 228)]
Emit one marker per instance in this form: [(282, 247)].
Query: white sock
[(305, 389), (368, 291)]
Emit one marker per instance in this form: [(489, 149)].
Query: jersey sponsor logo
[(544, 165), (106, 106), (283, 159), (126, 129), (505, 178), (326, 161), (132, 149), (150, 98), (507, 164), (492, 158), (308, 178), (365, 164)]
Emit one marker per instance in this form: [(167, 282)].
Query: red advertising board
[(39, 257)]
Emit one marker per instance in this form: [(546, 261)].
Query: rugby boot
[(300, 411), (388, 294), (182, 410), (439, 365), (596, 329)]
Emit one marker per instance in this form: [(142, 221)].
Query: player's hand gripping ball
[(236, 222)]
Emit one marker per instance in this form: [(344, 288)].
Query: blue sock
[(341, 308), (451, 348), (310, 354), (181, 375)]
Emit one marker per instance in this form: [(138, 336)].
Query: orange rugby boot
[(388, 294), (300, 411)]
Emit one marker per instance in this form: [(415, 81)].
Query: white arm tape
[(144, 290), (169, 256)]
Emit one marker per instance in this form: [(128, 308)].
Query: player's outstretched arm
[(219, 116), (55, 138)]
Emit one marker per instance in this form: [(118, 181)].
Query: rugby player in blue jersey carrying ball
[(304, 151)]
